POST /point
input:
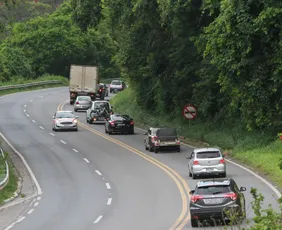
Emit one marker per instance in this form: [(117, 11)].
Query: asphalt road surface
[(91, 180)]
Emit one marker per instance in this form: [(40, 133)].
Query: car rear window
[(210, 190), (116, 83), (84, 98), (214, 154)]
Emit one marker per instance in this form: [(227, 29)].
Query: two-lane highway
[(91, 180)]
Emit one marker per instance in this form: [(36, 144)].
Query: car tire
[(194, 223), (55, 130), (131, 132), (223, 174), (150, 148), (146, 147), (87, 120), (75, 110), (156, 150), (178, 150), (110, 132), (190, 174), (76, 130), (90, 121), (106, 130), (194, 176)]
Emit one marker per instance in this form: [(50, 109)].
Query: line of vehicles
[(212, 200)]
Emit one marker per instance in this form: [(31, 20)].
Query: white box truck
[(84, 80)]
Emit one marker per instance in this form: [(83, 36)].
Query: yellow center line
[(179, 180)]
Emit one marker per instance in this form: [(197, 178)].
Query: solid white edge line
[(63, 142), (10, 227), (41, 127), (86, 160), (97, 171), (275, 190), (98, 219), (108, 186), (75, 150), (38, 188), (109, 201)]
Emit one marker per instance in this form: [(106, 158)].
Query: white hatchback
[(206, 161)]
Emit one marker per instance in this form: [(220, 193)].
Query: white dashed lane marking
[(39, 198), (41, 127), (36, 204), (52, 134), (40, 96), (63, 142), (75, 150), (24, 110), (21, 219), (30, 100), (98, 172), (24, 105), (98, 219), (30, 211), (86, 160), (33, 121), (109, 201), (108, 186), (27, 115)]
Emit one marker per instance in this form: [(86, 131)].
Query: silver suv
[(206, 161)]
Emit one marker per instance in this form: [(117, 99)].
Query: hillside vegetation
[(223, 56)]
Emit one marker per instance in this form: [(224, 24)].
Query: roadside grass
[(18, 80), (12, 185), (2, 167), (260, 151)]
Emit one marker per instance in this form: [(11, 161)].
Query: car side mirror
[(242, 189), (191, 192), (53, 117)]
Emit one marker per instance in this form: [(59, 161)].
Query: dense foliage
[(37, 42)]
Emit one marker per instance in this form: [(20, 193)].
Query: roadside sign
[(189, 112)]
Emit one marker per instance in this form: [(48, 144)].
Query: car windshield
[(116, 83), (65, 115), (212, 190), (120, 117), (210, 154), (100, 105), (84, 98)]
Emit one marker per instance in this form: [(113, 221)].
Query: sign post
[(189, 112)]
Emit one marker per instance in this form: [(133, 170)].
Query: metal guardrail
[(39, 83), (5, 181)]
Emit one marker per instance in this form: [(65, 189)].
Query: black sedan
[(119, 124), (217, 199)]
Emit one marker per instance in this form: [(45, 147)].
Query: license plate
[(101, 118), (120, 124), (213, 201), (168, 143)]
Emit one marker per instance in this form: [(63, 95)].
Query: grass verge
[(12, 185), (257, 150), (17, 81)]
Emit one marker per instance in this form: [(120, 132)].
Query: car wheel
[(146, 147), (223, 174), (190, 174), (156, 150), (90, 121), (194, 176), (194, 223), (106, 130), (55, 130), (76, 130), (110, 132), (75, 110), (87, 120), (178, 150), (132, 131), (150, 148)]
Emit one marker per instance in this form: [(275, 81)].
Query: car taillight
[(195, 198), (112, 122), (77, 103), (177, 142), (232, 196), (100, 90), (195, 162), (222, 161), (155, 138), (132, 122)]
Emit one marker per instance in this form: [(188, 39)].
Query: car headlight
[(57, 122), (75, 121)]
